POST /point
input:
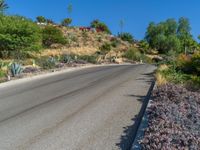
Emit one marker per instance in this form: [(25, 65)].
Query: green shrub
[(18, 35), (87, 58), (133, 54), (196, 63), (41, 19), (66, 22), (175, 76), (2, 74), (126, 37), (66, 59), (52, 35), (100, 26), (105, 48), (46, 62), (115, 42)]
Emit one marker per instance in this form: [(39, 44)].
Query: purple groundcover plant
[(173, 120)]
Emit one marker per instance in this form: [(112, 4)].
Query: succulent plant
[(66, 59), (173, 119), (16, 69)]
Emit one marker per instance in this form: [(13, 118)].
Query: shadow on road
[(130, 132)]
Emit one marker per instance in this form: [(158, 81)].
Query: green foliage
[(126, 37), (66, 59), (195, 63), (3, 6), (18, 35), (175, 76), (133, 54), (170, 35), (144, 46), (87, 58), (41, 19), (66, 22), (100, 26), (115, 42), (46, 62), (16, 69), (105, 48), (184, 70), (2, 64), (2, 74), (52, 35)]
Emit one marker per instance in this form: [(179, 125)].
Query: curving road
[(86, 109)]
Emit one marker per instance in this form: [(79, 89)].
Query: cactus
[(16, 69)]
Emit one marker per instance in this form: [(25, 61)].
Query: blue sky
[(136, 13)]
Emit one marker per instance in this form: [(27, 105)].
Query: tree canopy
[(170, 35)]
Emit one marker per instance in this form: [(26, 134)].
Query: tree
[(41, 19), (184, 33), (170, 35), (101, 26), (171, 27), (66, 22), (3, 6)]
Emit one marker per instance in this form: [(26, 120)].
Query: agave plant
[(16, 69), (3, 6)]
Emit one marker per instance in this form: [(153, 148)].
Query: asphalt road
[(87, 109)]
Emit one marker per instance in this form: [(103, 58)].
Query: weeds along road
[(87, 109)]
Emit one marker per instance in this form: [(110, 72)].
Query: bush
[(87, 58), (196, 63), (133, 54), (115, 42), (52, 35), (41, 19), (18, 35), (100, 26), (2, 74), (126, 37), (46, 62), (66, 22), (105, 48), (66, 59), (189, 64), (175, 76)]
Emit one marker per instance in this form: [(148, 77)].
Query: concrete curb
[(143, 122)]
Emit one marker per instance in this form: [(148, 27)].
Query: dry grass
[(160, 79), (163, 67)]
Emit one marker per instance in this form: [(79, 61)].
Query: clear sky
[(136, 13)]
